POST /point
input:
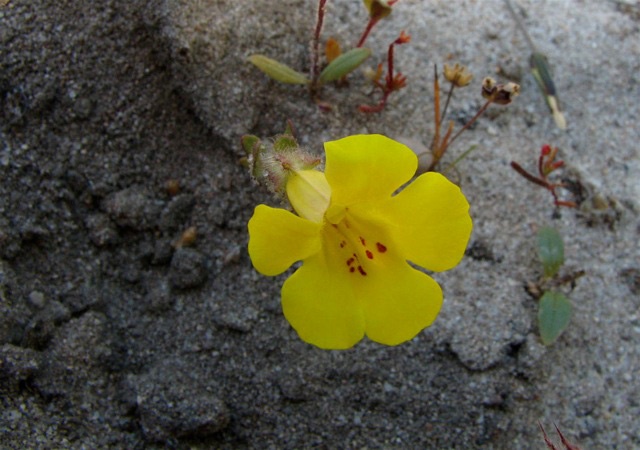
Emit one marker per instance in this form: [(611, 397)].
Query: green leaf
[(550, 250), (249, 143), (278, 71), (541, 72), (344, 64), (553, 316), (285, 143)]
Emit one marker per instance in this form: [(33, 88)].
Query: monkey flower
[(355, 237)]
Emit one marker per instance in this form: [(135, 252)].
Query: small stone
[(10, 244), (134, 208), (159, 298), (39, 330), (17, 363), (102, 231), (173, 403), (188, 269), (83, 108), (531, 356), (176, 212), (162, 252), (36, 300), (239, 320)]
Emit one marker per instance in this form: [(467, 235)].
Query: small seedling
[(392, 82), (546, 165), (339, 64), (554, 311)]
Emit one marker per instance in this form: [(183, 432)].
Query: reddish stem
[(372, 23), (540, 182), (315, 44), (468, 124)]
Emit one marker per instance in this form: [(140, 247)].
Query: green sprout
[(554, 311)]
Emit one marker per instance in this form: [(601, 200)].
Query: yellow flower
[(355, 238)]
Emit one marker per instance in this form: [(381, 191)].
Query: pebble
[(17, 363), (172, 402), (102, 231), (188, 269), (176, 212), (159, 298), (134, 208)]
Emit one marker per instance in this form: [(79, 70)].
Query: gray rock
[(38, 331), (172, 403), (36, 300), (162, 251), (102, 231), (531, 356), (76, 351), (159, 297), (10, 242), (134, 208), (238, 320), (188, 269), (176, 212), (17, 364)]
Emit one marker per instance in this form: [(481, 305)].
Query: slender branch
[(315, 44), (446, 103), (468, 124), (372, 23), (518, 168), (436, 112)]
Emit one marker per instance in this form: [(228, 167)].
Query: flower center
[(353, 246)]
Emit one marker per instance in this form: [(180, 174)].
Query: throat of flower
[(309, 194), (354, 249)]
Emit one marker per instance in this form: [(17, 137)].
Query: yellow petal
[(309, 193), (431, 221), (399, 302), (278, 238), (319, 303), (367, 168)]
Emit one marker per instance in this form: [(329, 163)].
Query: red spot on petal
[(369, 254), (352, 269), (362, 241), (381, 248), (350, 261), (361, 270), (342, 244)]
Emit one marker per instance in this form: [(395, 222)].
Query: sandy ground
[(112, 337)]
